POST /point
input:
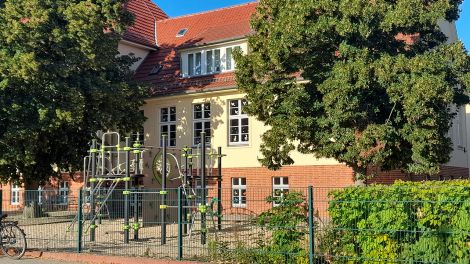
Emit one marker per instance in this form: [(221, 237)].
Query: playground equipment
[(189, 175), (111, 166)]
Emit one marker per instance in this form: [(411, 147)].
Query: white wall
[(126, 48), (460, 131)]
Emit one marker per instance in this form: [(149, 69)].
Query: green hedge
[(426, 222)]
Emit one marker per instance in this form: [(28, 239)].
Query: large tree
[(61, 80), (369, 83)]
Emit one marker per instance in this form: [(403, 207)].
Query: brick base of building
[(324, 179), (446, 173), (259, 185)]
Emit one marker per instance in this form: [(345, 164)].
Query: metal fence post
[(203, 186), (1, 202), (127, 192), (219, 188), (310, 225), (180, 224), (79, 221), (136, 195), (92, 188), (164, 191), (185, 180)]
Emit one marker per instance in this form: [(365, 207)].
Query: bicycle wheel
[(13, 242)]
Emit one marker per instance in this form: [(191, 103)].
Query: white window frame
[(196, 69), (40, 193), (168, 124), (282, 187), (237, 185), (64, 190), (213, 61), (238, 117), (233, 65), (193, 69), (203, 120), (15, 194)]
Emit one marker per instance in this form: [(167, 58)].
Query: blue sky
[(182, 7), (463, 24)]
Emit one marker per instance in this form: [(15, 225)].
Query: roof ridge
[(210, 11)]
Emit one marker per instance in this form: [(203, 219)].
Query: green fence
[(296, 226)]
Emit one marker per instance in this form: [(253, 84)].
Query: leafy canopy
[(369, 95), (61, 79)]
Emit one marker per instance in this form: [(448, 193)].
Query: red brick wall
[(52, 186), (389, 177), (324, 179), (259, 184)]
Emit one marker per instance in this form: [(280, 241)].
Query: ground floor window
[(64, 192), (238, 192), (40, 193), (280, 188), (15, 194)]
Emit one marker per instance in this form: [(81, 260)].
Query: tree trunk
[(360, 176)]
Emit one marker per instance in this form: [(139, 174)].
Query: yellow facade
[(247, 156), (237, 156)]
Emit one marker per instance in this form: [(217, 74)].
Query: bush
[(288, 223), (284, 241), (406, 222)]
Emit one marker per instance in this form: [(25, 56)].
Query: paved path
[(31, 260), (37, 257)]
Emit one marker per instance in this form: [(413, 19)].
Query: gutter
[(131, 43)]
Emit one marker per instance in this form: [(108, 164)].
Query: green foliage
[(368, 98), (287, 223), (61, 81), (406, 222), (284, 242)]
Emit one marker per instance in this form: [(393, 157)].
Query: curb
[(101, 259)]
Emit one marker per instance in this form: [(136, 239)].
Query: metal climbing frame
[(106, 167), (189, 197), (109, 165)]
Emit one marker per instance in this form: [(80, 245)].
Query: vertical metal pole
[(310, 224), (79, 221), (203, 186), (136, 214), (180, 223), (126, 191), (219, 188), (136, 196), (92, 192), (1, 202), (185, 181), (100, 199), (191, 182), (163, 190)]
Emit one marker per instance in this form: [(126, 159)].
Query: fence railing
[(247, 228)]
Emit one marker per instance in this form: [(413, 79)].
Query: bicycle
[(12, 238)]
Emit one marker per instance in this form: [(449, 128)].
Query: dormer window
[(156, 69), (213, 61), (181, 32), (208, 61)]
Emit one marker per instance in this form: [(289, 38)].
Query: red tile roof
[(203, 28), (216, 25), (146, 14)]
